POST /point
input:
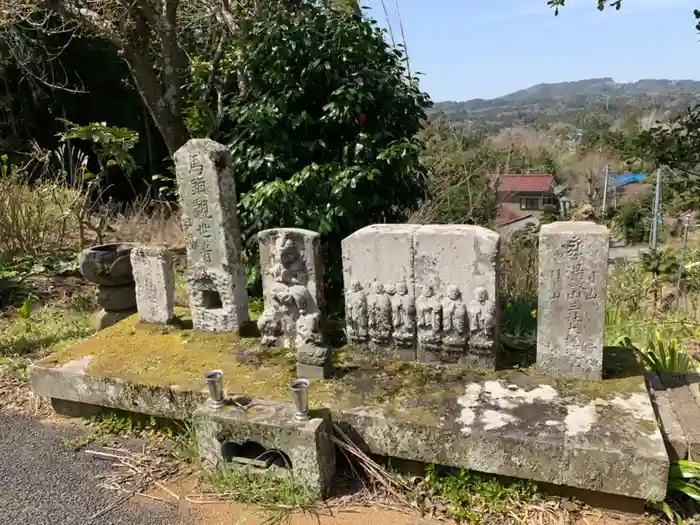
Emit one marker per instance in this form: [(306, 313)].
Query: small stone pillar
[(216, 277), (109, 267), (295, 312), (573, 273), (155, 284)]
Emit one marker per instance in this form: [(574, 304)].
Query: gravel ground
[(44, 482)]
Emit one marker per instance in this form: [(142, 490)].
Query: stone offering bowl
[(108, 264)]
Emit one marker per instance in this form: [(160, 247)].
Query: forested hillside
[(576, 103)]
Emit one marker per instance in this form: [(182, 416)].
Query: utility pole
[(605, 192), (655, 237), (655, 214), (686, 225)]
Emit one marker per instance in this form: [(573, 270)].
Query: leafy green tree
[(325, 136), (549, 214)]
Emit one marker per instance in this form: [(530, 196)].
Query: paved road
[(43, 482)]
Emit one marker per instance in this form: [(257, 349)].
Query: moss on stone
[(152, 355)]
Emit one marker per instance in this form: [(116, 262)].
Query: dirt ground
[(377, 514)]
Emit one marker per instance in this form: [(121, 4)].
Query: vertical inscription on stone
[(573, 261), (155, 283), (216, 279)]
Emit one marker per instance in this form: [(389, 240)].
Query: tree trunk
[(163, 100)]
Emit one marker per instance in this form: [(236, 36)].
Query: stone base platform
[(598, 436)]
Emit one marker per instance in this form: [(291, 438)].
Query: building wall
[(515, 198)]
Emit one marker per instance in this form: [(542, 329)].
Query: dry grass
[(33, 217), (40, 218), (144, 221)]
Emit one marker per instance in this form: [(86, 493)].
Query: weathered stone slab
[(378, 276), (223, 433), (456, 278), (155, 283), (573, 269), (216, 276), (678, 390), (594, 435), (71, 382), (615, 446), (670, 427)]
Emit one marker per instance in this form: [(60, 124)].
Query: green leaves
[(111, 144), (660, 355), (321, 118), (683, 491)]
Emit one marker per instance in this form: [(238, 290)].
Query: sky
[(488, 48)]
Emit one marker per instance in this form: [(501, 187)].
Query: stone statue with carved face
[(403, 315), (455, 325), (356, 311), (482, 319), (429, 313)]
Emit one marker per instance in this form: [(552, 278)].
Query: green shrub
[(324, 134)]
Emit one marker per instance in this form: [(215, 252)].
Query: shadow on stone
[(255, 455), (340, 372), (620, 362), (516, 354), (250, 329)]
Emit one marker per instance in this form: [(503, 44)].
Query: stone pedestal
[(301, 448), (573, 274), (216, 277), (155, 284), (109, 267)]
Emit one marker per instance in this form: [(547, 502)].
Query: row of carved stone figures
[(388, 313)]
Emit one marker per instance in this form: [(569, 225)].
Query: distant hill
[(572, 103)]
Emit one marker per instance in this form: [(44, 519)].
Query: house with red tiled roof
[(523, 196)]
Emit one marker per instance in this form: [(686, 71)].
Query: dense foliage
[(324, 135)]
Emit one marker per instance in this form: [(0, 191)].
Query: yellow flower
[(534, 314)]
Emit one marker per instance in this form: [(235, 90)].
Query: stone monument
[(378, 274), (155, 284), (216, 277), (456, 266), (295, 312), (109, 267), (424, 292), (573, 271)]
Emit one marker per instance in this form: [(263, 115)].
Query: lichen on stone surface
[(406, 391)]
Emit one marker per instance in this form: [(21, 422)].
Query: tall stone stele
[(216, 277), (295, 313), (573, 272), (155, 284)]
